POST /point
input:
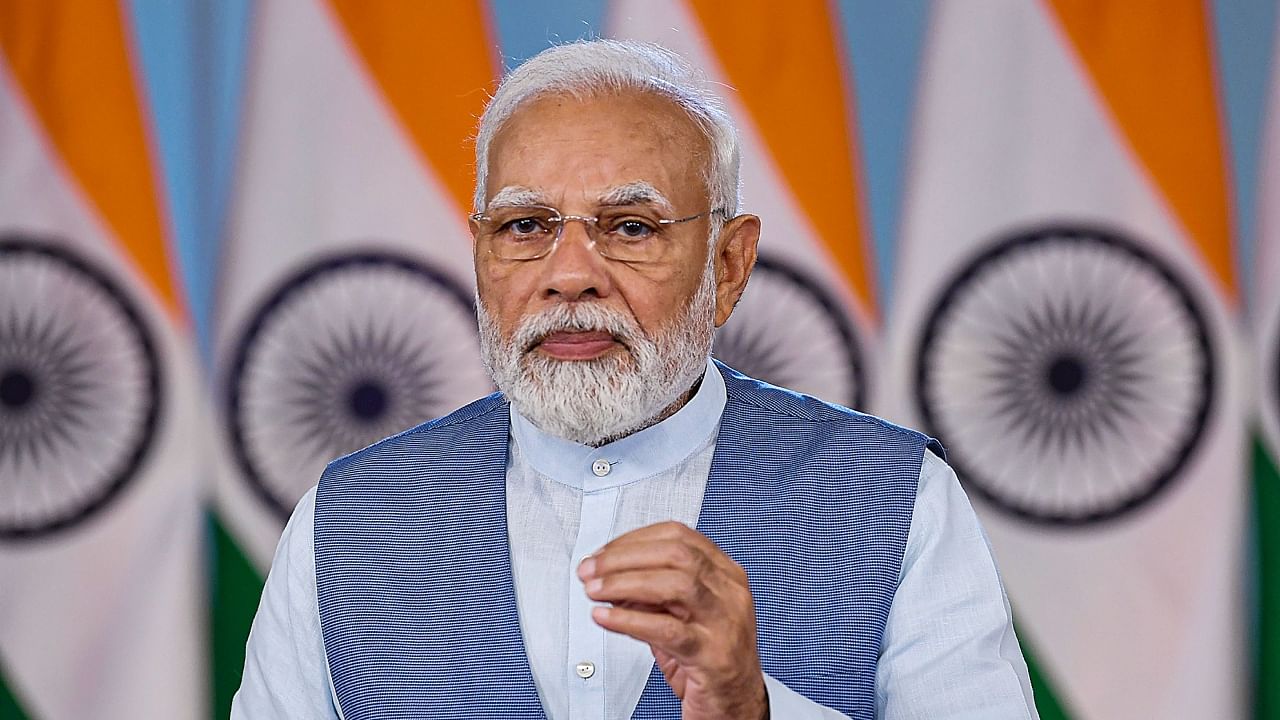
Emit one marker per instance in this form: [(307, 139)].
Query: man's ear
[(735, 251)]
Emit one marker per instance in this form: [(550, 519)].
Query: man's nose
[(574, 270)]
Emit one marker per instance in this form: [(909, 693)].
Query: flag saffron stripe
[(435, 64), (73, 63), (1151, 63), (798, 96)]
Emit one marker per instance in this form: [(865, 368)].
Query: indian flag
[(1266, 451), (346, 298), (1065, 322), (101, 575), (808, 320)]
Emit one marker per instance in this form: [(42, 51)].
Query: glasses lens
[(631, 235), (520, 232)]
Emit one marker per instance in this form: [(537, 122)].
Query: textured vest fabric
[(417, 600)]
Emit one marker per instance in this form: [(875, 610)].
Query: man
[(535, 553)]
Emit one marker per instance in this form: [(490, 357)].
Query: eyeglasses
[(529, 232)]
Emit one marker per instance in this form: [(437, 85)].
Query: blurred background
[(233, 246)]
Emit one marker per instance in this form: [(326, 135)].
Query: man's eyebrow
[(516, 195), (635, 193)]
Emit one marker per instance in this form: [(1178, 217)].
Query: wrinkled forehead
[(612, 148)]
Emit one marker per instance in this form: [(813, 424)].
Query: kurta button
[(600, 468), (585, 669)]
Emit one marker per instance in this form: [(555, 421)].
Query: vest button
[(600, 468), (585, 669)]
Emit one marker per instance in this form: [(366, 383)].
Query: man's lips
[(577, 345)]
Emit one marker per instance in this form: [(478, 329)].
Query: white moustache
[(576, 317)]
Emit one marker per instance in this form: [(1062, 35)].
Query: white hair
[(588, 68)]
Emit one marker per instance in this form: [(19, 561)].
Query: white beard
[(593, 402)]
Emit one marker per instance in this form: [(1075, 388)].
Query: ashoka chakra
[(1069, 373), (349, 350), (80, 387)]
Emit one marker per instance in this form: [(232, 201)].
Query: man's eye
[(633, 229), (524, 226)]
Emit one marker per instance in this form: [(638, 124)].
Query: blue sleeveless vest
[(413, 572)]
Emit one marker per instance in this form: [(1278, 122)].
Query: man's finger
[(682, 594), (655, 554), (679, 639)]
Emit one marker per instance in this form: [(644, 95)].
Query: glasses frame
[(589, 222)]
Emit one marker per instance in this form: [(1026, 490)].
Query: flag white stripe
[(1138, 617), (325, 168), (104, 619)]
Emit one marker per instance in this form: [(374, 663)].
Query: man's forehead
[(609, 148), (635, 192)]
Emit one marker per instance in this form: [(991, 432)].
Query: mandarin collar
[(637, 456)]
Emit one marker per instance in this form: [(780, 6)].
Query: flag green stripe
[(9, 707), (236, 587), (1047, 703), (1266, 523)]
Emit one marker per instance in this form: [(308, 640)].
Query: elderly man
[(629, 529)]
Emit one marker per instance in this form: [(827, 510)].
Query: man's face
[(588, 347), (572, 155)]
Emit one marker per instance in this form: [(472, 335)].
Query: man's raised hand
[(672, 588)]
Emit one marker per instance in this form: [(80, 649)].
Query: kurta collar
[(635, 457)]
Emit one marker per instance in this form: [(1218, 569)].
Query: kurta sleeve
[(949, 648), (285, 670)]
